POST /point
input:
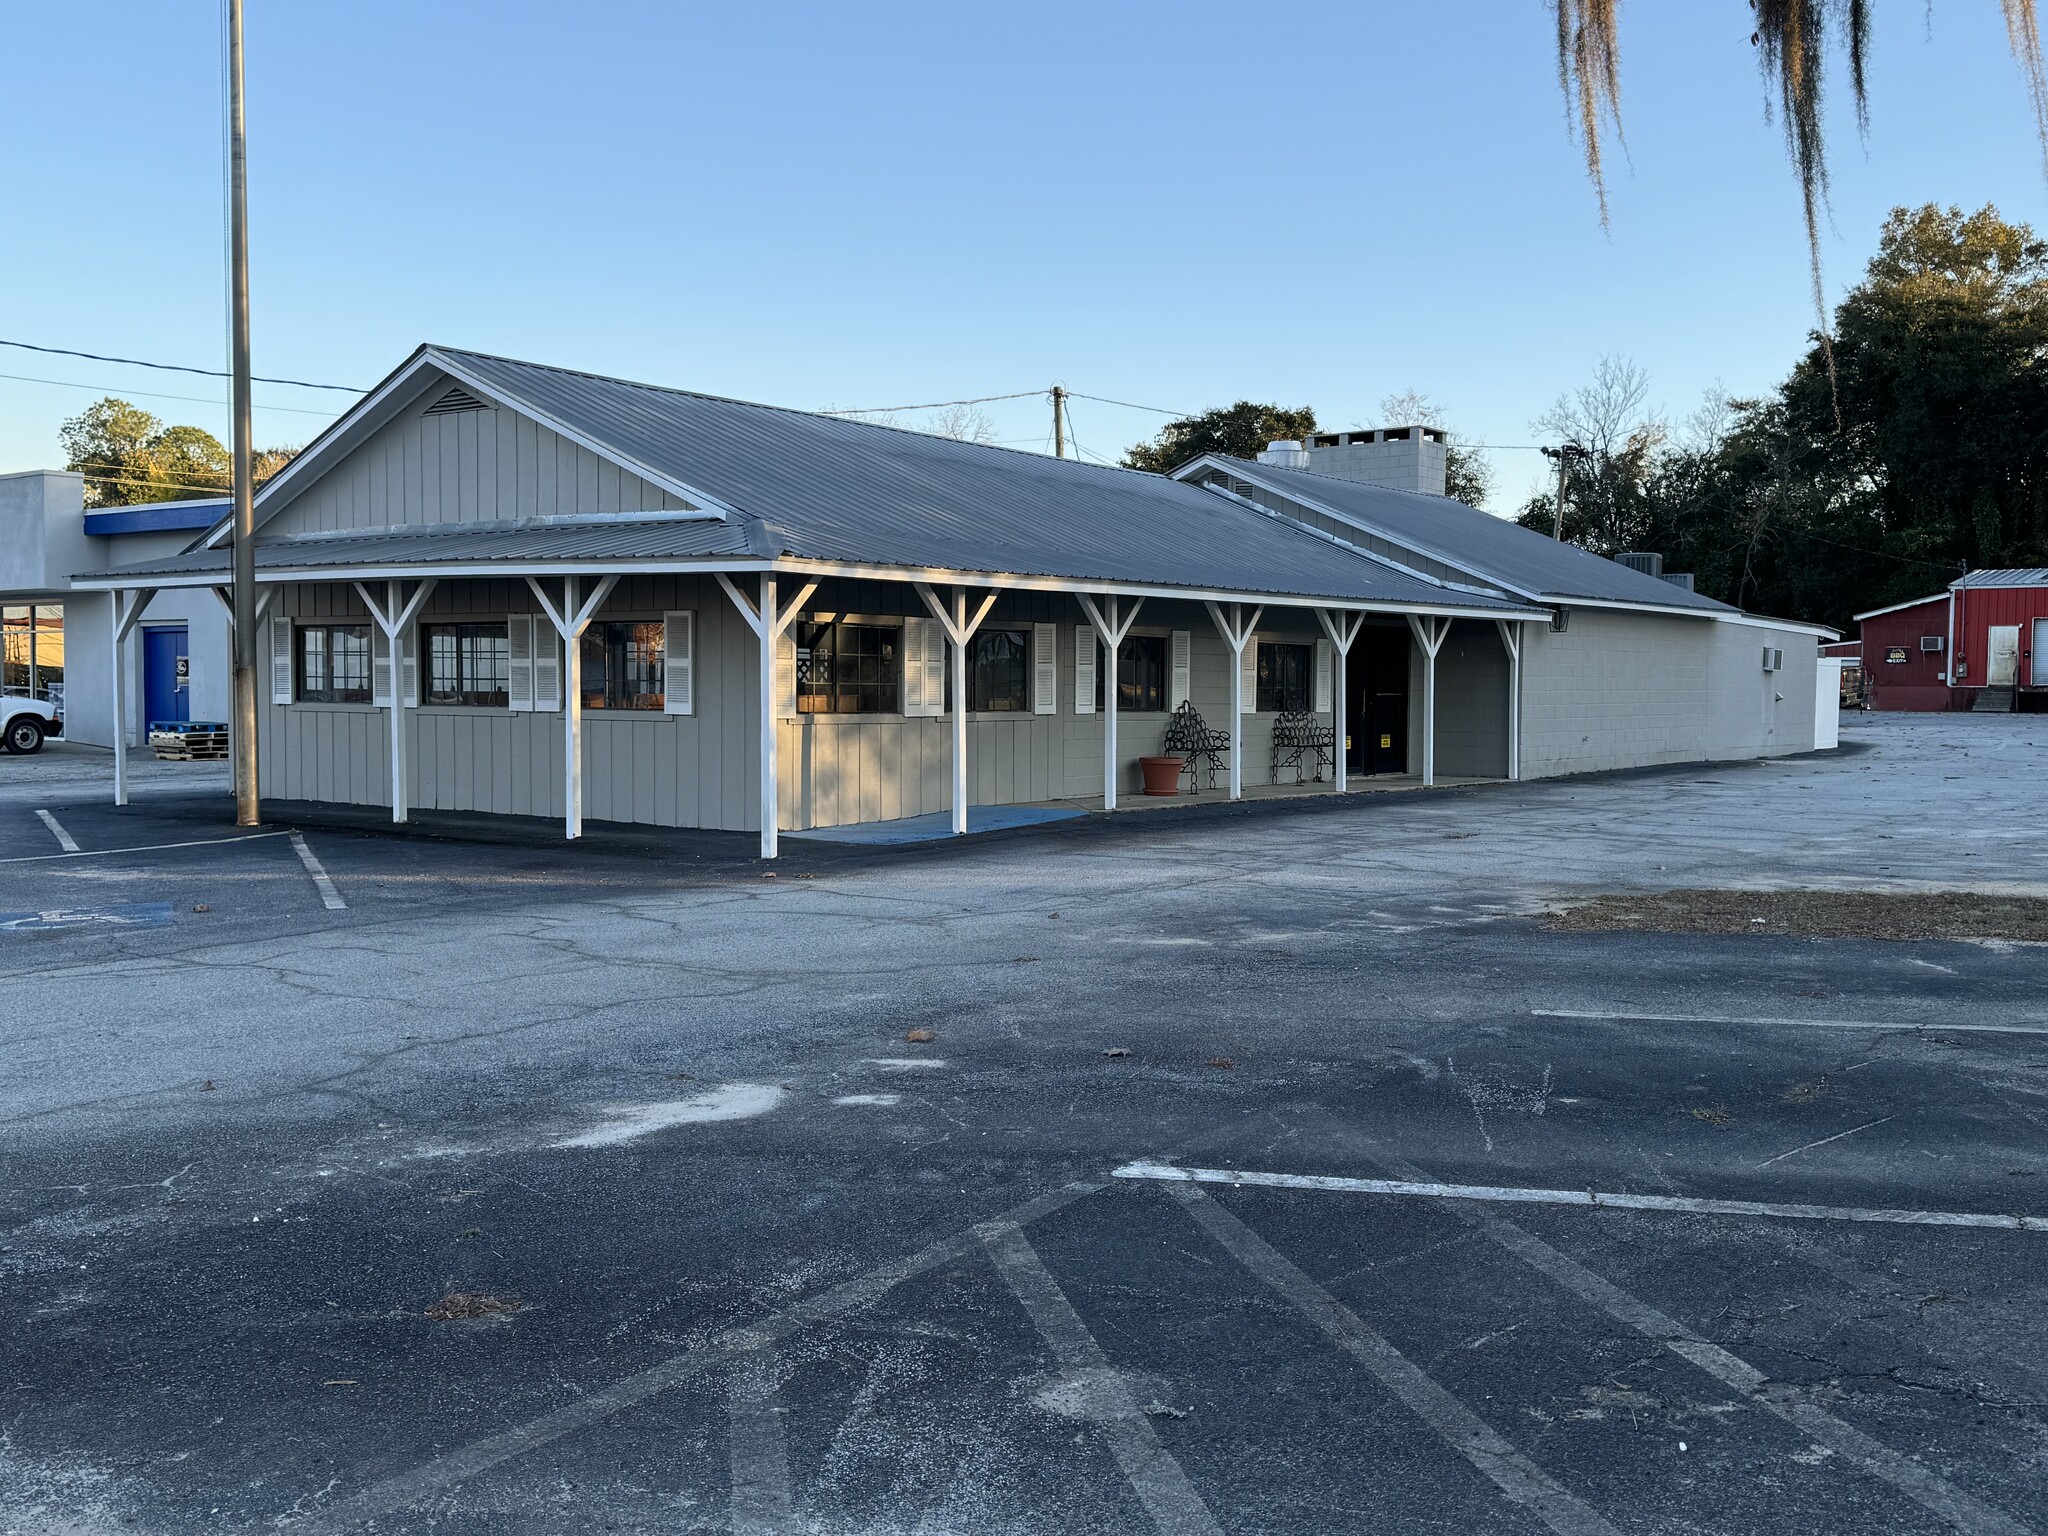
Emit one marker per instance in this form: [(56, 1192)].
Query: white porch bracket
[(959, 630), (394, 616), (1237, 632), (1111, 631), (570, 620), (767, 619), (1430, 633), (1342, 626), (125, 608), (1511, 642)]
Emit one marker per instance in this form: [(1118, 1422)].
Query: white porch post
[(394, 616), (1511, 638), (123, 617), (1430, 634), (1237, 632), (570, 620), (959, 632), (1342, 626), (767, 618), (1111, 632)]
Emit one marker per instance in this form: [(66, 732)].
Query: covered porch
[(450, 672)]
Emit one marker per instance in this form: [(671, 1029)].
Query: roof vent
[(456, 400)]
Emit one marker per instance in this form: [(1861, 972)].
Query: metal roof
[(454, 544), (1492, 548), (825, 488), (2029, 576)]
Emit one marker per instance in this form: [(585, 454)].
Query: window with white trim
[(332, 663), (468, 664), (848, 669), (1285, 674), (623, 664)]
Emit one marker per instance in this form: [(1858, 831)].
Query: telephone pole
[(1059, 422), (247, 812), (1566, 456)]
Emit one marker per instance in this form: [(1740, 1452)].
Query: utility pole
[(1059, 422), (247, 812), (1566, 456)]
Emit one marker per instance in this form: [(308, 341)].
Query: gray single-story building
[(499, 586)]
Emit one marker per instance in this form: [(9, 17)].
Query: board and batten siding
[(465, 466), (703, 770)]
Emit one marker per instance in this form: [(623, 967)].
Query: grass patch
[(1890, 915)]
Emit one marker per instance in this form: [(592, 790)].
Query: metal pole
[(247, 812), (1557, 527), (1059, 422), (117, 636)]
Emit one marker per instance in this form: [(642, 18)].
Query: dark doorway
[(1377, 709)]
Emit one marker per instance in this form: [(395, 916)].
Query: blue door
[(166, 678)]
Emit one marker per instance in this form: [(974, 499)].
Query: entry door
[(1377, 711), (2037, 662), (2005, 656), (166, 676)]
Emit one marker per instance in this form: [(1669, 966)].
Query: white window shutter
[(679, 663), (380, 667), (785, 675), (1248, 677), (547, 665), (1084, 669), (1045, 669), (519, 667), (924, 667), (1180, 664), (409, 670), (1322, 695), (280, 660)]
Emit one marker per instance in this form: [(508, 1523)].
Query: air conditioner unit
[(1933, 643), (1774, 659)]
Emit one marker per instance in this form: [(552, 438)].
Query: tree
[(1468, 473), (1791, 38), (1242, 431), (129, 457), (1607, 501), (964, 424)]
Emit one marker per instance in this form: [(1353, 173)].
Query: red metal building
[(1983, 644), (1905, 656)]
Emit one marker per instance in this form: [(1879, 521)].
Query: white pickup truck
[(24, 722)]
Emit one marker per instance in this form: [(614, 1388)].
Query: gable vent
[(457, 399)]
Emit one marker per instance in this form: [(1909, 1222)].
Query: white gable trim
[(414, 378)]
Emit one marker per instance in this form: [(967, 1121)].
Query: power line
[(1157, 410), (151, 394), (211, 373), (933, 405)]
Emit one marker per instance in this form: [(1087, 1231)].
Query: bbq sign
[(1895, 655)]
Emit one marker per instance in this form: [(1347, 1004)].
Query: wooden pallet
[(189, 746)]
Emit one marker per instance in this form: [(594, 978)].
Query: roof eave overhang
[(855, 570), (1918, 602)]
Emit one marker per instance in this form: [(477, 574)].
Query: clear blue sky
[(817, 205)]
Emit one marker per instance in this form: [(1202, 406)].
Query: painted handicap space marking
[(141, 914)]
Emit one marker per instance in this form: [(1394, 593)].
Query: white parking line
[(328, 894), (758, 1449), (1894, 1026), (1595, 1197), (1931, 1491), (1509, 1470), (453, 1466), (102, 853), (64, 839), (1157, 1479)]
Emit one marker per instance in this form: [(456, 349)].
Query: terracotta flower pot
[(1162, 775)]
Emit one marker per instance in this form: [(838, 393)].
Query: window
[(622, 665), (848, 669), (334, 663), (1140, 675), (467, 664), (1285, 676), (999, 671)]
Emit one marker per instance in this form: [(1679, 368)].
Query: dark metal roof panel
[(826, 488), (1490, 547)]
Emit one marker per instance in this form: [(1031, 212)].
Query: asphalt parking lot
[(1267, 1171)]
